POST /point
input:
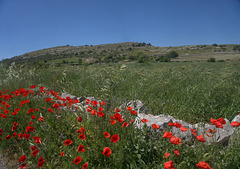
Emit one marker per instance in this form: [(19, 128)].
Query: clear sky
[(28, 25)]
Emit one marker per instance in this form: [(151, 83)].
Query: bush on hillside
[(172, 54), (211, 60)]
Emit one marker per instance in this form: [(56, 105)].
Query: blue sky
[(28, 25)]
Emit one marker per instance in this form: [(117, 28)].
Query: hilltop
[(127, 51)]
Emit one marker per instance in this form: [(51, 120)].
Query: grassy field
[(193, 92)]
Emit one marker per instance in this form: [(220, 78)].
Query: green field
[(193, 92)]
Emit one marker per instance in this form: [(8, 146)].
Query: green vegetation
[(194, 92), (118, 73)]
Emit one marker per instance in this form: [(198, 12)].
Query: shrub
[(172, 54), (211, 60)]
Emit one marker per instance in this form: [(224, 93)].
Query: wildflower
[(175, 140), (114, 138), (29, 128), (89, 109), (20, 135), (33, 148), (33, 86), (167, 155), (14, 134), (101, 114), (177, 152), (81, 130), (183, 129), (203, 165), (81, 148), (94, 103), (8, 137), (107, 151), (26, 136), (22, 158), (23, 165), (155, 126), (167, 135), (100, 109), (33, 117), (169, 165), (144, 120), (68, 142), (41, 119), (106, 134), (124, 124), (200, 138), (79, 119), (102, 103), (235, 124), (77, 160), (93, 112), (35, 152), (62, 154), (82, 136), (55, 106), (85, 166), (113, 122), (117, 110), (129, 108), (37, 140), (133, 112)]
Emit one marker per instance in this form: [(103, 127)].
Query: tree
[(214, 44), (172, 54)]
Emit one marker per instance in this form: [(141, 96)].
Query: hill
[(127, 51)]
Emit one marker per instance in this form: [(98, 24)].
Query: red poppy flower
[(155, 126), (22, 158), (183, 129), (79, 119), (167, 155), (117, 110), (41, 119), (100, 109), (55, 105), (20, 135), (200, 138), (50, 110), (33, 117), (209, 135), (30, 123), (101, 114), (235, 124), (82, 136), (102, 103), (68, 142), (175, 140), (40, 164), (77, 160), (14, 128), (106, 134), (81, 130), (168, 134), (169, 165), (33, 148), (113, 122), (29, 128), (177, 152), (115, 138), (8, 137), (23, 165), (107, 151), (85, 166), (144, 120), (37, 140), (62, 154), (41, 159), (35, 152), (14, 134), (93, 112), (81, 148), (203, 165), (6, 111), (133, 112), (129, 108), (33, 86), (1, 131), (125, 124)]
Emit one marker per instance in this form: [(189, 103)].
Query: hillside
[(127, 51)]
